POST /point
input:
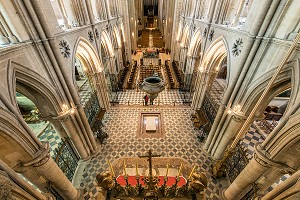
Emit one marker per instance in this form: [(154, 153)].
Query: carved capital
[(41, 157)]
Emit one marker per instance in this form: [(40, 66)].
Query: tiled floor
[(50, 136), (180, 140), (166, 97), (250, 139)]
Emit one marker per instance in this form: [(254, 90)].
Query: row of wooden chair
[(169, 75), (132, 74), (179, 76)]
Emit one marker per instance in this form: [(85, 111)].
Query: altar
[(151, 178)]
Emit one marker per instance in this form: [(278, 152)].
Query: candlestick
[(192, 172), (167, 169), (137, 168), (179, 171), (124, 167), (111, 169)]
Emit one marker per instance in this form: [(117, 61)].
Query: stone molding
[(41, 157), (261, 156)]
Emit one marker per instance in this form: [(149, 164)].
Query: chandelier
[(151, 186)]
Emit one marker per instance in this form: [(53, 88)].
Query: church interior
[(149, 99)]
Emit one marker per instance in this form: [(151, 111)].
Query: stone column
[(90, 13), (238, 13), (3, 38), (12, 176), (222, 138), (285, 189), (10, 35), (71, 129), (66, 21), (42, 169), (211, 11), (255, 169)]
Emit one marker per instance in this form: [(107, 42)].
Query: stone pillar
[(91, 14), (3, 40), (238, 13), (255, 169), (72, 131), (62, 9), (42, 169), (222, 138), (11, 182), (285, 189), (10, 35)]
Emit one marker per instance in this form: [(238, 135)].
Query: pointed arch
[(214, 56), (16, 146), (185, 35), (179, 31), (35, 87), (117, 37), (288, 78), (106, 43), (195, 44), (88, 55)]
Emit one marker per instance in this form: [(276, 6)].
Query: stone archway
[(207, 73), (94, 90)]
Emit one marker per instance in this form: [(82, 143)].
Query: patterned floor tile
[(121, 124)]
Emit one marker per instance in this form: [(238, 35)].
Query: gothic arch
[(87, 54), (35, 87), (185, 36), (288, 78), (106, 44), (117, 37), (214, 55), (195, 45), (16, 145)]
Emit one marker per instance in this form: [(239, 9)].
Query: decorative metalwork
[(91, 36), (236, 163), (64, 49), (66, 158), (211, 35), (92, 108), (210, 109), (53, 191), (151, 190), (237, 47)]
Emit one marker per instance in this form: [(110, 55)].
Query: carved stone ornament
[(211, 35), (91, 36), (205, 32), (42, 161), (5, 187), (237, 47), (64, 49), (97, 34)]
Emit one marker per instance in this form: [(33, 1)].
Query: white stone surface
[(150, 122)]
